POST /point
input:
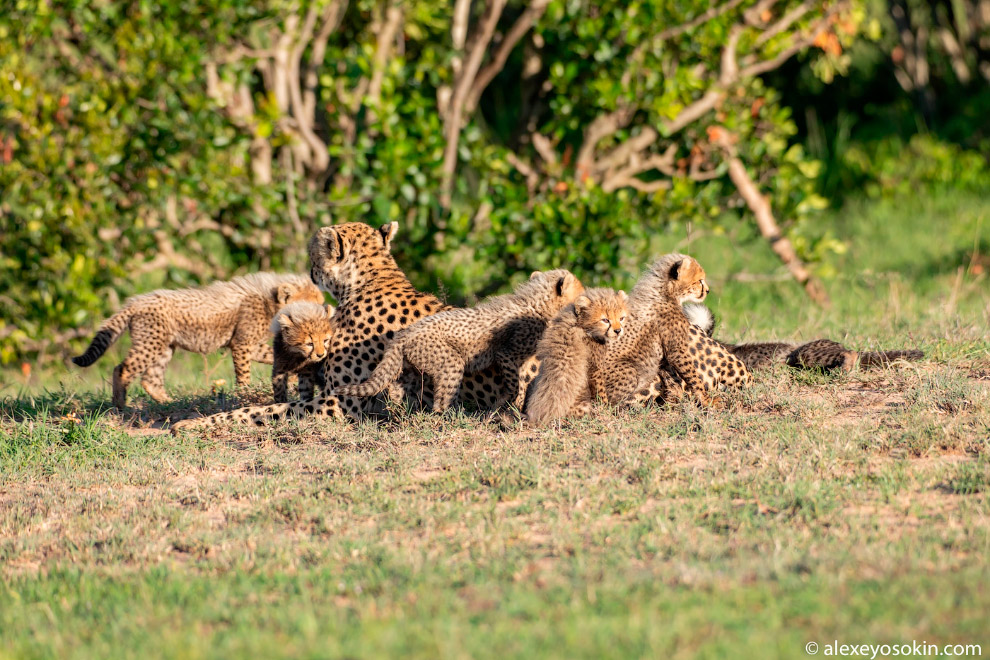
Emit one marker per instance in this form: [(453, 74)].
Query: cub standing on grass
[(502, 331), (303, 331), (235, 314), (571, 353)]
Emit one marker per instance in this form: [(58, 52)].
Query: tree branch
[(318, 159), (329, 22), (676, 31), (766, 223), (752, 68), (453, 118), (386, 37), (522, 25), (602, 127)]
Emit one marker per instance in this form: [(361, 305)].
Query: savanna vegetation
[(147, 144)]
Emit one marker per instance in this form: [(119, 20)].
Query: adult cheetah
[(502, 331)]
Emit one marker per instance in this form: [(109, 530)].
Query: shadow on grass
[(141, 412)]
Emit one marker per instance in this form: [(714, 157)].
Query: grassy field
[(813, 508)]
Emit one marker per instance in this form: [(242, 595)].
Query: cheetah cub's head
[(306, 330), (549, 291), (601, 313), (343, 256), (296, 291), (686, 280)]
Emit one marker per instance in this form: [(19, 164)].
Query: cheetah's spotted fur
[(821, 354), (501, 332), (235, 314), (375, 300)]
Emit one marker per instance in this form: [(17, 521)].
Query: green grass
[(812, 508)]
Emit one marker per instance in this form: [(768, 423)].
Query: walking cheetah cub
[(571, 353), (302, 340), (502, 332), (666, 346), (235, 314)]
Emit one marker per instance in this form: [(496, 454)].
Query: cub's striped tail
[(108, 333), (884, 358), (387, 371)]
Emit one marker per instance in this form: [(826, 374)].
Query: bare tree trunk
[(462, 88)]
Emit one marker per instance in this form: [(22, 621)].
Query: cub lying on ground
[(571, 353), (502, 331), (823, 354), (235, 314), (303, 331)]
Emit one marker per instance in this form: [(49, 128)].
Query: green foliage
[(130, 161), (892, 167), (102, 118)]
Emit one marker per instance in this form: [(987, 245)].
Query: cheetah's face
[(601, 314), (686, 282), (309, 340), (341, 256)]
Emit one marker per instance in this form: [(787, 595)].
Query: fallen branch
[(766, 223)]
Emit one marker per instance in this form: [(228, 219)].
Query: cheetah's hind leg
[(153, 380), (147, 349)]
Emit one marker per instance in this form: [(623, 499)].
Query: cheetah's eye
[(604, 319)]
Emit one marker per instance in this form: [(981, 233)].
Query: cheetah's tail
[(884, 358), (108, 333), (387, 371)]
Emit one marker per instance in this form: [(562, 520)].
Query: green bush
[(150, 144)]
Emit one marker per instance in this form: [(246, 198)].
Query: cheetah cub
[(235, 314), (502, 332), (302, 340), (571, 353), (668, 348)]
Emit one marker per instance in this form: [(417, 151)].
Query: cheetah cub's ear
[(329, 308), (684, 269), (280, 321), (283, 293), (581, 304), (388, 233), (622, 296), (569, 286), (535, 274)]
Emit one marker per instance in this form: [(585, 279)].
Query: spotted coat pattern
[(234, 314), (375, 300)]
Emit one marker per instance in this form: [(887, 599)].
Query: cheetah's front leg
[(509, 367), (263, 353), (242, 353)]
